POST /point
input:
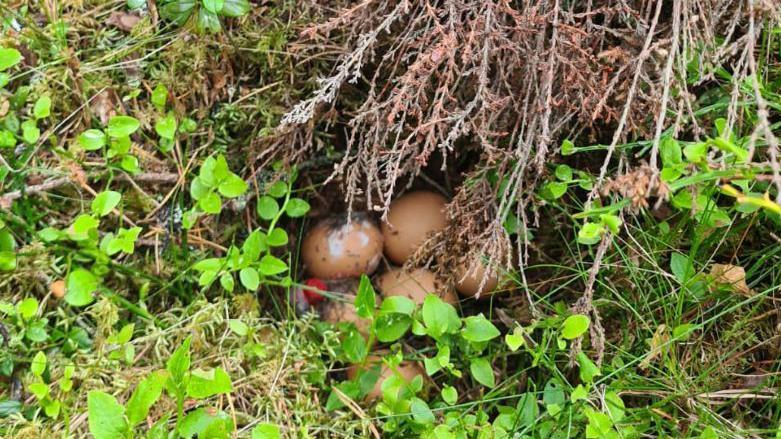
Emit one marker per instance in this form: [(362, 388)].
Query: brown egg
[(57, 288), (468, 280), (415, 285), (337, 312), (407, 369), (335, 249), (411, 219)]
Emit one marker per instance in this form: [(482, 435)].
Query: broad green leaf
[(579, 393), (208, 21), (449, 394), (179, 362), (574, 326), (232, 187), (204, 384), (681, 267), (254, 245), (30, 132), (439, 317), (590, 233), (27, 308), (696, 152), (145, 396), (554, 190), (159, 97), (366, 299), (482, 372), (267, 207), (9, 57), (670, 152), (588, 370), (130, 164), (203, 424), (278, 189), (354, 346), (238, 327), (615, 406), (249, 278), (515, 339), (397, 304), (80, 286), (391, 327), (106, 417), (296, 207), (210, 203), (421, 413), (567, 147), (91, 140), (271, 265), (166, 126), (38, 365), (42, 107), (479, 329), (213, 5), (122, 126), (227, 282), (198, 189), (564, 173), (105, 202), (277, 238), (235, 8)]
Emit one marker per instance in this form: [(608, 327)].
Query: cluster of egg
[(336, 251)]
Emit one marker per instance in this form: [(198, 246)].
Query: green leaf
[(567, 147), (554, 190), (590, 233), (238, 327), (166, 126), (254, 245), (91, 140), (145, 396), (267, 207), (278, 189), (30, 132), (235, 8), (574, 326), (105, 202), (198, 189), (42, 107), (213, 5), (130, 164), (588, 370), (421, 413), (232, 187), (579, 393), (106, 416), (366, 299), (208, 21), (200, 422), (210, 203), (179, 362), (296, 207), (227, 282), (7, 139), (564, 173), (159, 97), (122, 126), (264, 430), (683, 331), (670, 152), (38, 365), (271, 265), (80, 286), (615, 406), (515, 339), (397, 305), (391, 327), (479, 329), (250, 278), (354, 346), (277, 238), (8, 58), (204, 384), (27, 308), (449, 395), (439, 317), (612, 222), (482, 372), (681, 267), (696, 152), (177, 11)]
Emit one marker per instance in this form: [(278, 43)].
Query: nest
[(504, 81)]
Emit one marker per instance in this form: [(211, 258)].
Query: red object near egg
[(312, 297)]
